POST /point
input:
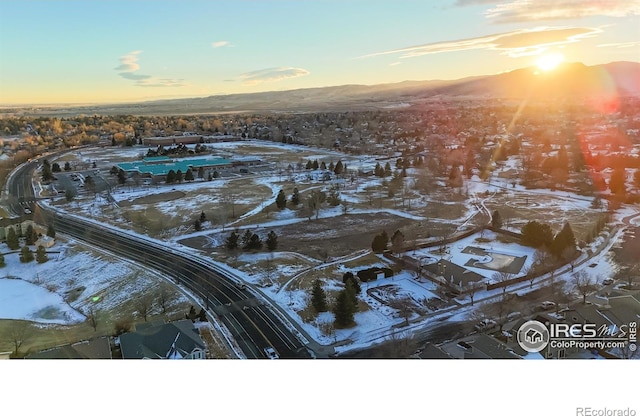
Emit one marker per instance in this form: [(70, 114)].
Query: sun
[(550, 61)]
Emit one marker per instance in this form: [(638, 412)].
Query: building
[(97, 348), (158, 340), (161, 165)]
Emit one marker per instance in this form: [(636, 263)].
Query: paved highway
[(253, 324)]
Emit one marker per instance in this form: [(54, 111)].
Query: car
[(607, 281), (241, 286), (27, 211), (547, 305), (486, 324), (271, 353)]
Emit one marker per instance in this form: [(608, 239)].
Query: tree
[(255, 243), (231, 243), (617, 183), (246, 239), (496, 220), (179, 176), (2, 262), (166, 295), (188, 176), (379, 243), (537, 234), (295, 197), (47, 175), (397, 241), (122, 177), (584, 284), (203, 217), (272, 240), (19, 332), (201, 173), (318, 297), (171, 176), (41, 255), (122, 326), (55, 167), (70, 193), (197, 225), (67, 166), (143, 306), (338, 168), (281, 200), (315, 200), (350, 278), (89, 184), (564, 242), (92, 317), (12, 239), (502, 277), (26, 255), (404, 305), (31, 235), (344, 309), (472, 289)]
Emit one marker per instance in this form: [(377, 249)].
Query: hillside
[(568, 81)]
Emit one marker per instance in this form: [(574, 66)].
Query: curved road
[(253, 325)]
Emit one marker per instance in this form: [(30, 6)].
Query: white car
[(607, 281), (271, 353)]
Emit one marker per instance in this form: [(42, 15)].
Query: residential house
[(158, 340)]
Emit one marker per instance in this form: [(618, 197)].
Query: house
[(96, 348), (479, 346), (158, 340), (45, 241)]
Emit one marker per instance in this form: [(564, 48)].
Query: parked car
[(271, 353), (547, 305), (607, 281), (486, 324)]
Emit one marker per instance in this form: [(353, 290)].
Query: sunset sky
[(93, 51)]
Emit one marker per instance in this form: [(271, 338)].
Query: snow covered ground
[(37, 292)]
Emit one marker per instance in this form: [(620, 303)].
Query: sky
[(98, 51)]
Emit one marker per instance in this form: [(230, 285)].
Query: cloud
[(619, 44), (129, 67), (534, 10), (517, 43), (220, 44), (271, 75)]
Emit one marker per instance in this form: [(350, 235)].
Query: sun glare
[(550, 61)]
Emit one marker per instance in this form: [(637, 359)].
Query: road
[(252, 324)]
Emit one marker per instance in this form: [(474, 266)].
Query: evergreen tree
[(564, 240), (41, 254), (2, 263), (55, 167), (380, 242), (378, 171), (179, 176), (295, 197), (12, 239), (31, 235), (203, 217), (197, 225), (314, 166), (536, 234), (232, 241), (47, 175), (343, 310), (246, 239), (496, 220), (309, 165), (281, 200), (188, 176), (67, 166), (339, 168), (26, 255), (318, 297), (201, 173), (272, 241), (331, 166), (122, 177), (350, 278), (255, 243), (216, 174), (387, 169), (323, 166)]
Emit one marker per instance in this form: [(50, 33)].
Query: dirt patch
[(154, 199)]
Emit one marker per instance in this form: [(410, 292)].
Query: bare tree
[(504, 278), (143, 306), (405, 307), (397, 345), (166, 295), (19, 332), (584, 284), (472, 289), (92, 316)]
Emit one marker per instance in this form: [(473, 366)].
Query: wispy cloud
[(271, 75), (517, 43), (536, 10), (620, 44), (129, 67), (220, 44)]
